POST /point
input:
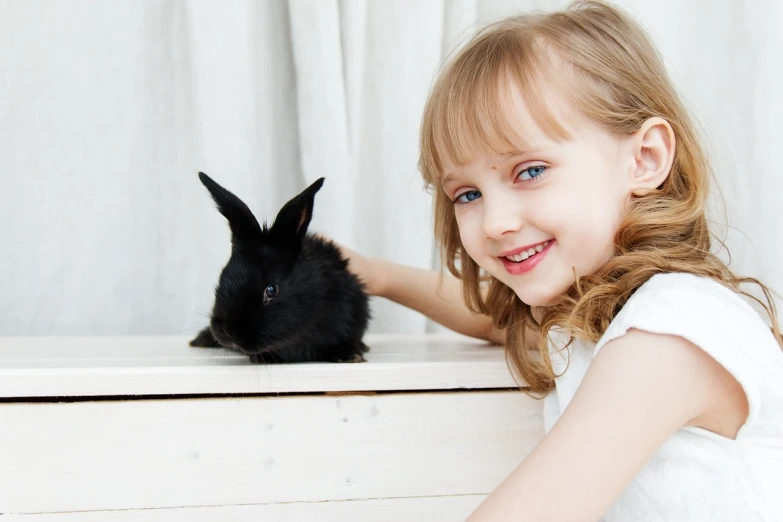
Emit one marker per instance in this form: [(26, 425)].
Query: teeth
[(529, 252)]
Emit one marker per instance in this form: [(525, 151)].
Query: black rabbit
[(284, 295)]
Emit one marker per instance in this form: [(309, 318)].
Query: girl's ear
[(653, 150)]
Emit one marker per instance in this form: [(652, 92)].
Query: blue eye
[(468, 196), (532, 172)]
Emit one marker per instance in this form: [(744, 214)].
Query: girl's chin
[(538, 296)]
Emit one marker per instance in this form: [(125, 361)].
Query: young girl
[(568, 176)]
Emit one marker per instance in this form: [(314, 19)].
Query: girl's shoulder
[(697, 308), (713, 317), (688, 286)]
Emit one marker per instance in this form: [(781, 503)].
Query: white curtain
[(109, 108)]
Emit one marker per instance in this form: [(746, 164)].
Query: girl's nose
[(500, 218)]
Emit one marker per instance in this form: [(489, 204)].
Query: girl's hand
[(423, 291)]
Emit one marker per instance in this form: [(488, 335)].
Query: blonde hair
[(616, 78)]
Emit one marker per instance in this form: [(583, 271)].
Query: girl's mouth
[(526, 260)]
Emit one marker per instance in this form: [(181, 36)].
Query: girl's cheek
[(464, 223), (470, 237)]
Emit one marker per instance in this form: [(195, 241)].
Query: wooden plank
[(143, 454), (142, 366), (431, 509)]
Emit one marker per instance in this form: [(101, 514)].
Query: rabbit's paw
[(355, 358), (205, 339)]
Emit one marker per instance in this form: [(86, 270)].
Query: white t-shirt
[(697, 475)]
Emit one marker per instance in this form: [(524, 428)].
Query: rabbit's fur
[(285, 295)]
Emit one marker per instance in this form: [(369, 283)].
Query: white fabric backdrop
[(108, 108)]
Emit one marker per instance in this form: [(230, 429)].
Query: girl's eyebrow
[(505, 156), (511, 154), (448, 178)]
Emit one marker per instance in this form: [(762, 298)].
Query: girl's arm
[(638, 391), (419, 289)]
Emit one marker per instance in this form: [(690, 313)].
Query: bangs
[(470, 113)]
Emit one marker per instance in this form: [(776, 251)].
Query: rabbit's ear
[(244, 225), (293, 219)]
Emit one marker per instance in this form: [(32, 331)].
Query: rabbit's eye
[(270, 292)]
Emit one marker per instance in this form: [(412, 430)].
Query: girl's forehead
[(515, 103), (520, 124)]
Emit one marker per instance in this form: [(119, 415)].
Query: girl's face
[(537, 217)]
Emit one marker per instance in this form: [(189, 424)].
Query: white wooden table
[(132, 429)]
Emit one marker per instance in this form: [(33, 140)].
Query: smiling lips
[(525, 259)]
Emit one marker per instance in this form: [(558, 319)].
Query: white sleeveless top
[(697, 475)]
